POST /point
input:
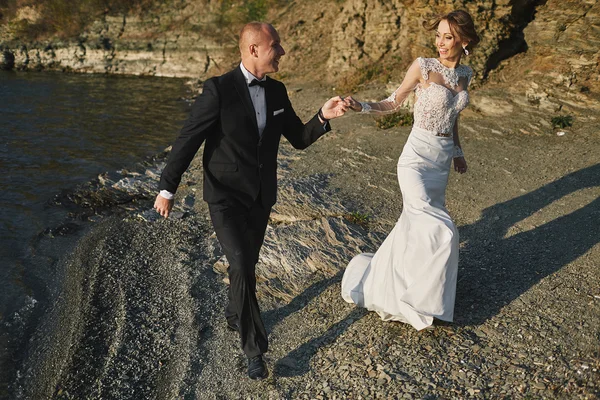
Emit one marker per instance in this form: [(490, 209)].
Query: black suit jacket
[(238, 163)]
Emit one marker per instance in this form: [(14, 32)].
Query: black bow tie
[(255, 82)]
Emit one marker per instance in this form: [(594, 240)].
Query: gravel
[(140, 315)]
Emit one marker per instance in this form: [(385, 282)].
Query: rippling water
[(59, 130)]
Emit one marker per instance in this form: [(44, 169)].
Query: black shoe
[(233, 325), (257, 368)]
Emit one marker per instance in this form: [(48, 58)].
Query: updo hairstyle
[(461, 25)]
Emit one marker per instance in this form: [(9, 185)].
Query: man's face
[(269, 51)]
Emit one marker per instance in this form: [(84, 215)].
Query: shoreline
[(83, 207)]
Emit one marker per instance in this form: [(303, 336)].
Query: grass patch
[(396, 119), (358, 218), (562, 121)]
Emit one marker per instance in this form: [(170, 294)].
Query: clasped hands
[(338, 105)]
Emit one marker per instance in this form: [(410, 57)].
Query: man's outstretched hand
[(163, 206), (334, 107)]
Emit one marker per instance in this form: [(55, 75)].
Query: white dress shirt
[(257, 94)]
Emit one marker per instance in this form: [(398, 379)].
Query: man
[(241, 116)]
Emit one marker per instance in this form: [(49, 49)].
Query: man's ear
[(253, 50)]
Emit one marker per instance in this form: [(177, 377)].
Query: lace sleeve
[(393, 103)]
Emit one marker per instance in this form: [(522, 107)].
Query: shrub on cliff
[(68, 18), (63, 18)]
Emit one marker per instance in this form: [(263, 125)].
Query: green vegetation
[(68, 18), (231, 15), (228, 16), (64, 18), (562, 121), (255, 10), (358, 218), (232, 12), (396, 119)]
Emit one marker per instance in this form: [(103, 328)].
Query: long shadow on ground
[(297, 362), (496, 270), (273, 317), (300, 357)]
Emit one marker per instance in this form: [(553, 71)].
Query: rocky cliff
[(544, 53), (559, 69), (164, 42)]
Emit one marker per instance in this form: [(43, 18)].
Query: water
[(57, 131)]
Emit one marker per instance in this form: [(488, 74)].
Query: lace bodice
[(441, 95)]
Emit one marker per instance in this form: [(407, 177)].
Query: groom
[(240, 116)]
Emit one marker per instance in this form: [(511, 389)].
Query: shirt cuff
[(166, 194)]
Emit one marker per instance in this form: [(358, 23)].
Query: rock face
[(561, 69), (543, 52), (7, 60), (123, 45), (557, 75), (565, 42), (391, 31)]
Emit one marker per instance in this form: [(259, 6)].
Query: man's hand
[(163, 206), (334, 107), (460, 165)]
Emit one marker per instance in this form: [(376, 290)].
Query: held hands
[(334, 107), (337, 106), (460, 165), (163, 206)]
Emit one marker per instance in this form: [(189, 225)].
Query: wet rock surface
[(140, 313)]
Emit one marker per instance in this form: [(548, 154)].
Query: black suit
[(240, 179)]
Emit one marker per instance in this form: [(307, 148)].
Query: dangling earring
[(466, 51)]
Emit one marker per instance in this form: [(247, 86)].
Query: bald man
[(241, 116)]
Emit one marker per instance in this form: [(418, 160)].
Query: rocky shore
[(140, 313), (139, 310)]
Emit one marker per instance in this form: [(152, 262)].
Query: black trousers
[(241, 232)]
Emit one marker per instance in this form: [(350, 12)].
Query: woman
[(412, 276)]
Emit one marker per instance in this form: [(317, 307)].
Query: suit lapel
[(271, 100), (242, 88)]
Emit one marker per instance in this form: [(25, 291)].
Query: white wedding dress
[(412, 276)]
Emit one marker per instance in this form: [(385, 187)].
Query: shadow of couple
[(494, 269)]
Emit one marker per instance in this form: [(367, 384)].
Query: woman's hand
[(353, 104), (460, 165)]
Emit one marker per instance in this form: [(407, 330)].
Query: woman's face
[(449, 45)]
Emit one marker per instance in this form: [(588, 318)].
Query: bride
[(412, 276)]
